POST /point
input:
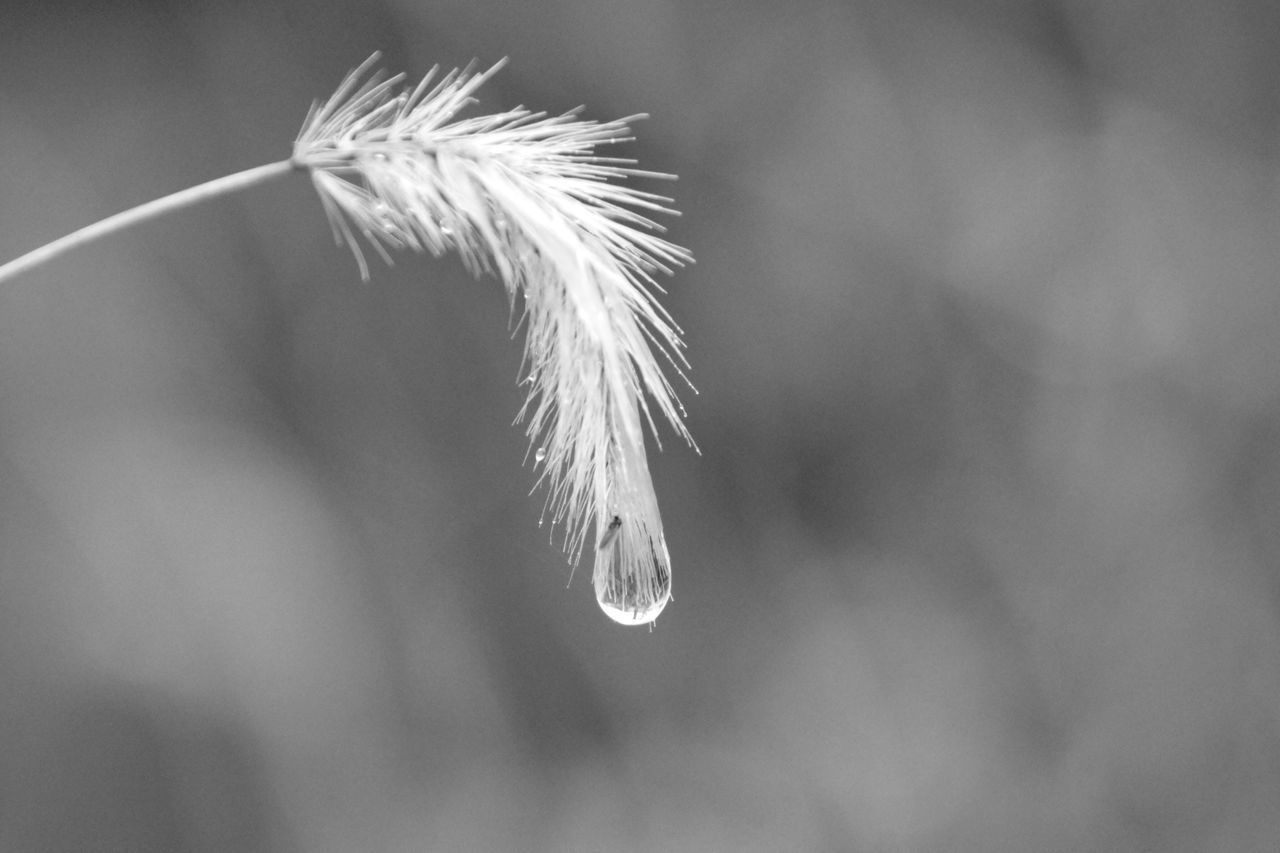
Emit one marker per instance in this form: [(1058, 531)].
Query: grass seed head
[(525, 197)]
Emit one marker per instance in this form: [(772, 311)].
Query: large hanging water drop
[(632, 575)]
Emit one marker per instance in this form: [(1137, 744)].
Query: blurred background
[(981, 552)]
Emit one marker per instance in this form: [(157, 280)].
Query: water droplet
[(631, 589), (540, 454), (382, 211)]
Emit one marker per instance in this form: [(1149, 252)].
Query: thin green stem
[(134, 215)]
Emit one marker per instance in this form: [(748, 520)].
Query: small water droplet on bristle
[(540, 454), (383, 212)]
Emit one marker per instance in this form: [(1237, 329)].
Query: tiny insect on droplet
[(610, 533)]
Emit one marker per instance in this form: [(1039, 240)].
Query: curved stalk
[(149, 210)]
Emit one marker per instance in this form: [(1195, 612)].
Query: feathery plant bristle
[(524, 196)]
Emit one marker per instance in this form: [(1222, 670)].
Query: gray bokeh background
[(981, 551)]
